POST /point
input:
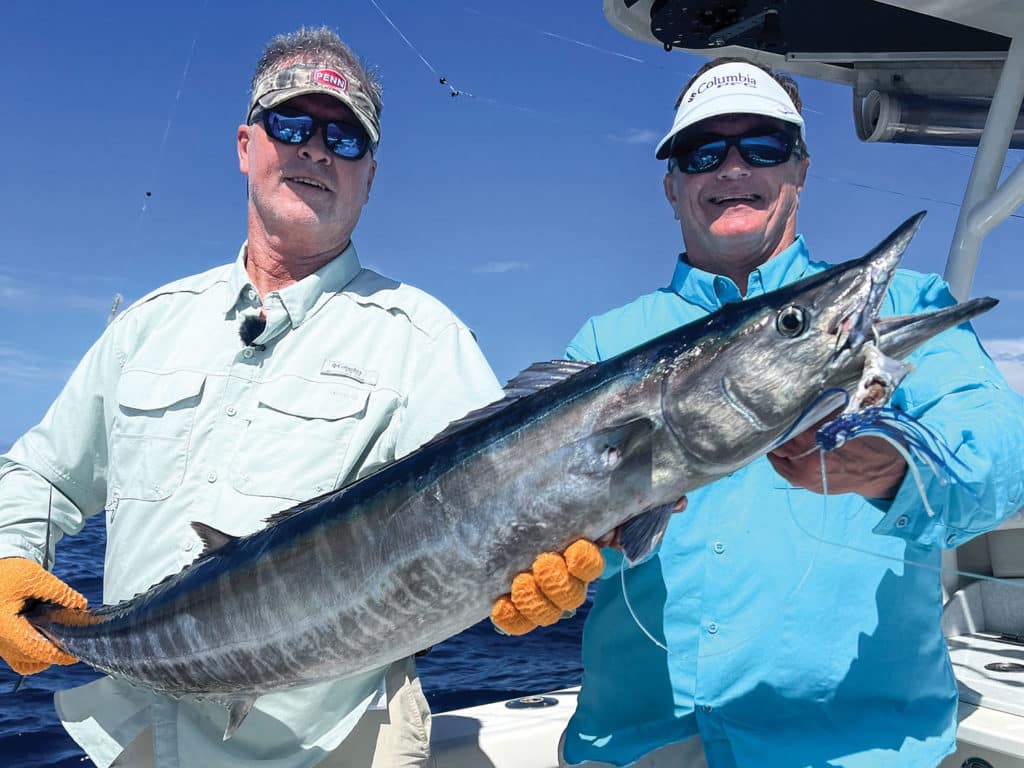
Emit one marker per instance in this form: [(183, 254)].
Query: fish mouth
[(860, 324), (897, 336)]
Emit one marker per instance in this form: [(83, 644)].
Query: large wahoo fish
[(418, 551)]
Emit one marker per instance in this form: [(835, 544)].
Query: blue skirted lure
[(916, 442)]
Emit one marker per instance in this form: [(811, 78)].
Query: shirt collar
[(711, 291), (299, 299)]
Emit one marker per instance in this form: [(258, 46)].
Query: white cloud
[(27, 366), (11, 292), (636, 136), (500, 267), (46, 289), (1008, 355)]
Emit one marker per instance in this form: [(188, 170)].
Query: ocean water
[(475, 667)]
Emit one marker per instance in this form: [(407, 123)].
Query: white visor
[(736, 88)]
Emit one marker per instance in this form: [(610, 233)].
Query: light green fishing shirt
[(170, 418)]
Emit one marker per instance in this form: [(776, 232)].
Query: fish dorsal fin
[(277, 517), (237, 711), (541, 376), (533, 379), (212, 538), (302, 506)]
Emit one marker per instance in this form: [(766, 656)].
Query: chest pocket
[(150, 435), (297, 444)]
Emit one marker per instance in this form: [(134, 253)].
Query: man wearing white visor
[(775, 629)]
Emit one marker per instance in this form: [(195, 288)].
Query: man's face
[(737, 216), (304, 196)]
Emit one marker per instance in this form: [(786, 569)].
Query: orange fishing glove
[(557, 583), (21, 646)]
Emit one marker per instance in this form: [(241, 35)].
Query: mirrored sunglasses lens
[(706, 157), (346, 140), (291, 129), (771, 149)]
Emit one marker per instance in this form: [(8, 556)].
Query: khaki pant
[(682, 754), (396, 737)]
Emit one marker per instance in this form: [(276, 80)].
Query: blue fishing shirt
[(801, 630)]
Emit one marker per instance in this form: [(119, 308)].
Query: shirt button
[(901, 521), (712, 628), (247, 352), (706, 709), (231, 410), (719, 547), (189, 546), (212, 477), (251, 293)]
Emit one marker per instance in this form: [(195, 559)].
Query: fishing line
[(942, 570), (741, 642), (590, 46), (807, 110), (861, 185), (402, 35), (453, 91), (820, 539), (504, 22), (170, 122), (48, 563)]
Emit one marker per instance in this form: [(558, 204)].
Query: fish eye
[(791, 321)]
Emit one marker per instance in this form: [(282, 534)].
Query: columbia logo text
[(722, 81)]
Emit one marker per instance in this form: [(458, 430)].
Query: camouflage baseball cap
[(284, 83)]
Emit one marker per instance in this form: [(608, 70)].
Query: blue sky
[(526, 206)]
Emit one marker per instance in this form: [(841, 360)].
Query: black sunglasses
[(295, 127), (760, 149)]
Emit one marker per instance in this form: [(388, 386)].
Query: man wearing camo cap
[(227, 396)]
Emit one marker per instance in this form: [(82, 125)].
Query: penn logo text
[(331, 79)]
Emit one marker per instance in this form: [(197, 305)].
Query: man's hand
[(868, 466), (21, 646), (557, 583)]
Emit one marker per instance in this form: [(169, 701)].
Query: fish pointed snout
[(898, 336), (876, 269)]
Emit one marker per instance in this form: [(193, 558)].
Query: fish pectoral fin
[(237, 710), (602, 452), (642, 534), (212, 538), (619, 439)]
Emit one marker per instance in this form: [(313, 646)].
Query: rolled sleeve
[(957, 392)]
